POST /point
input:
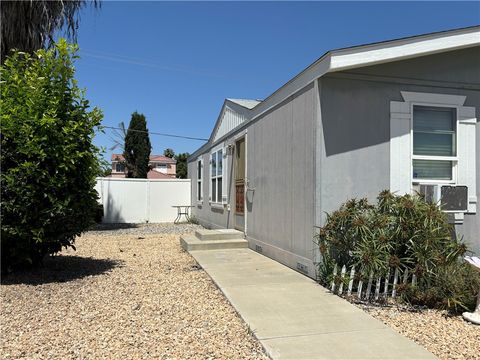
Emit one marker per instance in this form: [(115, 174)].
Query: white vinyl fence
[(375, 288), (142, 200)]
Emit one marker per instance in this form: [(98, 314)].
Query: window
[(119, 167), (434, 155), (433, 141), (216, 168), (160, 167), (199, 181)]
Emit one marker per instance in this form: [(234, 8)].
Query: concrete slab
[(219, 234), (372, 344), (189, 243), (294, 317)]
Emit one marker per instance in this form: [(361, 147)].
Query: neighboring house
[(162, 167), (398, 115)]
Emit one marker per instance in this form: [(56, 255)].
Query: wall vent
[(302, 267), (258, 248)]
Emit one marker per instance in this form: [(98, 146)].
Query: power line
[(140, 62), (156, 133)]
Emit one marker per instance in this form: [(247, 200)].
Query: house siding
[(280, 166), (356, 163), (210, 216), (326, 144)]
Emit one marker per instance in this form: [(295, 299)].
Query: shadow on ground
[(58, 269), (112, 226)]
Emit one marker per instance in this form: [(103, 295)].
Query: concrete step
[(220, 234), (191, 243)]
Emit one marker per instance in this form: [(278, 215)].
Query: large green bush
[(403, 232), (48, 160)]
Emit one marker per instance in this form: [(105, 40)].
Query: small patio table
[(182, 210)]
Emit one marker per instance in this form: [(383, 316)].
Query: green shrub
[(402, 232), (48, 160)]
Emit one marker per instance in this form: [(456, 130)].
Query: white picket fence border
[(374, 286)]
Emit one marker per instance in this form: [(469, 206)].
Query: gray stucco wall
[(355, 123)]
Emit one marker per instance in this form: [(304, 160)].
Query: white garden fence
[(373, 288), (142, 200)]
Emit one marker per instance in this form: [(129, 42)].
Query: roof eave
[(360, 56)]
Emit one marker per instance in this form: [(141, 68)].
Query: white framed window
[(199, 180), (161, 166), (434, 144), (432, 141), (216, 176)]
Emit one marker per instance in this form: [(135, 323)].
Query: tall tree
[(169, 153), (31, 25), (137, 147), (182, 168)]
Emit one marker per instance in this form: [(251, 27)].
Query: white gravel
[(448, 337), (124, 294)]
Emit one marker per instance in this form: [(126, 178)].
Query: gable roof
[(234, 112), (152, 174), (373, 54), (355, 57), (246, 103)]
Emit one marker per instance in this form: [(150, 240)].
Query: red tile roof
[(156, 158), (152, 174)]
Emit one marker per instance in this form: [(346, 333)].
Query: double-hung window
[(199, 180), (434, 156), (216, 171)]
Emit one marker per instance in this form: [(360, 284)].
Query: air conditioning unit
[(454, 198), (451, 198)]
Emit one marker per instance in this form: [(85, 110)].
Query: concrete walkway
[(294, 317)]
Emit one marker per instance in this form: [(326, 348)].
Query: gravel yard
[(448, 337), (130, 293)]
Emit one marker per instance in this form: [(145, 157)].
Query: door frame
[(237, 138)]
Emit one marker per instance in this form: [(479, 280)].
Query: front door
[(240, 184)]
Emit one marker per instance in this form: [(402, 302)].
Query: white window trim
[(217, 176), (401, 142), (199, 162), (453, 159)]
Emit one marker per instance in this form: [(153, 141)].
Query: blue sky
[(176, 62)]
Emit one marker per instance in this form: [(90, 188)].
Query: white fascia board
[(401, 49), (429, 98), (359, 56), (338, 60)]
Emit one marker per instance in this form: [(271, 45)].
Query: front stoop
[(213, 240)]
